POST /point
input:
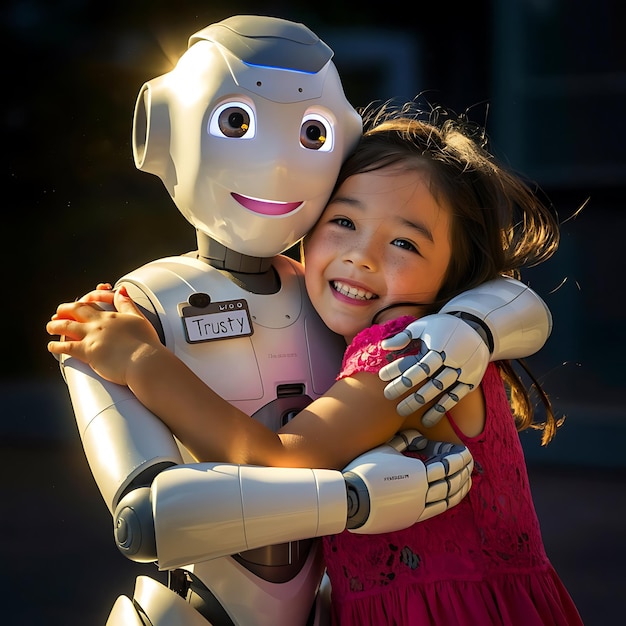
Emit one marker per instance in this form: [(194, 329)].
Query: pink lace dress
[(480, 563)]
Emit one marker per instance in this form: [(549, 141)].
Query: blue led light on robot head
[(273, 58)]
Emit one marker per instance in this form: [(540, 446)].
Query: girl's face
[(382, 239)]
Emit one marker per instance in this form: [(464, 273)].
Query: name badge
[(214, 320)]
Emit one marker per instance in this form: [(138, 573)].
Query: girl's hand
[(110, 342), (103, 294)]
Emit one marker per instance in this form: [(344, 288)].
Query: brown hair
[(499, 224)]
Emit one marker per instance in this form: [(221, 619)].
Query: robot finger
[(437, 449), (446, 378), (449, 486), (438, 491), (461, 460), (457, 482), (445, 403), (436, 471), (432, 509), (441, 506), (431, 362), (413, 376), (433, 415), (399, 341), (449, 464), (398, 367), (456, 497), (412, 369), (417, 400), (409, 438), (418, 443), (409, 405)]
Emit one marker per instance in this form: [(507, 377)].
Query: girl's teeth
[(352, 292)]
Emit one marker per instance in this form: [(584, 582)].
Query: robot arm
[(179, 514), (208, 510), (501, 319), (125, 444)]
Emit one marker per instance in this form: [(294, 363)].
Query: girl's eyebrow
[(419, 226), (346, 200)]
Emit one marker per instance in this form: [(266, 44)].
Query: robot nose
[(281, 167), (280, 179)]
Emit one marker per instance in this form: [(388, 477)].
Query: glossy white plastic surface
[(518, 319)]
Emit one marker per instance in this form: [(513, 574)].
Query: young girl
[(421, 212)]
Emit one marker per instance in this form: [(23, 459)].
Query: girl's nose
[(362, 256)]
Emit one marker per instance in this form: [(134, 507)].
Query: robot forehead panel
[(270, 42), (282, 85), (255, 47)]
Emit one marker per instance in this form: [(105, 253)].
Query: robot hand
[(388, 491), (449, 469), (453, 358), (499, 319), (199, 512)]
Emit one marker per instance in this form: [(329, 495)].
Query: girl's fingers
[(124, 304), (98, 295), (81, 311), (60, 347), (66, 328), (68, 348)]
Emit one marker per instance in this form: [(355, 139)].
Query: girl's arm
[(352, 417), (122, 346)]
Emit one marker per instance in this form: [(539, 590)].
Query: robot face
[(249, 153)]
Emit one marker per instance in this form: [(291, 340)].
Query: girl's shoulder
[(366, 354)]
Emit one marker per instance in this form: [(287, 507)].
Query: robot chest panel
[(248, 370), (260, 346)]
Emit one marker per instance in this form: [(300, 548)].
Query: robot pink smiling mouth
[(265, 207)]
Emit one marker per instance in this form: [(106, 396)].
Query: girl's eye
[(343, 221), (405, 245)]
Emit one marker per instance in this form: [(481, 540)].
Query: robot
[(247, 134), (500, 319)]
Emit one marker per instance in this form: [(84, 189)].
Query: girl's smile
[(351, 293)]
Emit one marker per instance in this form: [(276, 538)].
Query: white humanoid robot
[(247, 134)]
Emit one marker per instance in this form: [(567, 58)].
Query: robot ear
[(152, 132)]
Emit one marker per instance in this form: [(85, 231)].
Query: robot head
[(248, 132)]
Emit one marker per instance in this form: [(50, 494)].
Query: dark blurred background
[(548, 77)]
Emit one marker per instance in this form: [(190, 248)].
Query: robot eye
[(316, 133), (232, 119)]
